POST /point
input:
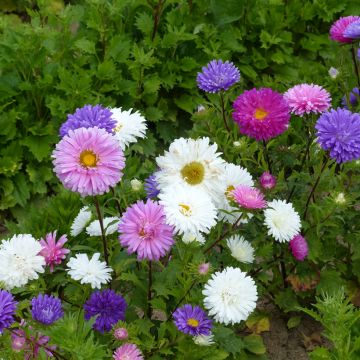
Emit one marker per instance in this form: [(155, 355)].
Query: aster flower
[(249, 198), (333, 72), (52, 250), (189, 237), (192, 320), (87, 117), (121, 334), (129, 126), (261, 114), (151, 187), (110, 224), (299, 247), (93, 271), (108, 308), (353, 98), (7, 309), (46, 309), (230, 296), (81, 220), (307, 98), (338, 28), (128, 352), (352, 31), (204, 340), (282, 221), (143, 230), (267, 181), (240, 249), (20, 260), (339, 132), (136, 185), (88, 161), (203, 268)]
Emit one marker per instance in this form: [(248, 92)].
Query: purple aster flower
[(353, 98), (339, 131), (352, 31), (338, 28), (151, 188), (46, 309), (89, 116), (358, 54), (7, 309), (192, 320), (108, 307), (217, 76), (299, 247)]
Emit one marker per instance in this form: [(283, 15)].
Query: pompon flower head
[(267, 181), (282, 221), (352, 31), (217, 76), (204, 340), (88, 161), (354, 97), (20, 260), (338, 28), (240, 249), (261, 114), (230, 296), (338, 131), (93, 271), (81, 220), (110, 224), (121, 333), (193, 164), (53, 251), (192, 320), (87, 117), (299, 247), (143, 230), (7, 309), (151, 187), (128, 352), (46, 309), (307, 98), (107, 306), (129, 126), (248, 197)]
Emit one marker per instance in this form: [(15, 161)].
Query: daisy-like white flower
[(20, 260), (80, 222), (93, 271), (204, 340), (241, 249), (129, 126), (282, 221), (188, 238), (193, 164), (188, 210), (230, 296), (110, 226)]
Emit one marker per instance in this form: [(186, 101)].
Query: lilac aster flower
[(353, 98), (217, 76), (7, 309), (299, 247), (87, 117), (46, 309), (151, 187), (352, 31), (128, 352), (107, 306), (192, 320), (338, 28), (339, 131)]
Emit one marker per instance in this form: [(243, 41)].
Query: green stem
[(222, 103), (267, 158), (355, 64), (103, 237), (149, 307)]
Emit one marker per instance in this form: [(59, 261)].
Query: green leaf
[(145, 23), (39, 146), (21, 191), (254, 343), (85, 45), (293, 322)]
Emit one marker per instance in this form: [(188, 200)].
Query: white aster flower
[(188, 238), (282, 221), (230, 296), (81, 220), (193, 164), (204, 340), (20, 260), (188, 210), (130, 126), (111, 225), (91, 271), (241, 249)]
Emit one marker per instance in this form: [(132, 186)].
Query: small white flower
[(333, 73), (200, 108), (136, 184), (80, 222), (340, 199), (188, 238), (236, 143), (111, 225), (93, 271), (241, 249), (204, 340)]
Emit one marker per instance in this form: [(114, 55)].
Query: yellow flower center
[(185, 209), (118, 127), (228, 193), (260, 114), (193, 173), (88, 158), (193, 322)]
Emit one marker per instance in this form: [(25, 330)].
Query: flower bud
[(299, 247), (121, 334), (204, 268), (333, 73), (136, 184), (267, 181)]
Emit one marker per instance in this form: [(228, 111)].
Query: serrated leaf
[(39, 146), (145, 23), (85, 45)]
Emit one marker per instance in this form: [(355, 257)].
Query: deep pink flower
[(121, 333), (299, 247), (261, 114), (144, 231), (307, 98), (267, 181), (337, 29), (128, 352), (88, 161), (248, 197), (53, 251)]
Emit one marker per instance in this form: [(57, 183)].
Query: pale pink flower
[(204, 268), (121, 333), (128, 352), (248, 197)]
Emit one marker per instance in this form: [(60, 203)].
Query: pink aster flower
[(204, 268), (128, 352), (338, 28), (261, 114), (299, 247), (121, 333), (267, 181), (53, 251), (144, 231), (307, 98), (248, 197), (88, 161)]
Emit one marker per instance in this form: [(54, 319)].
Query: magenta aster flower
[(338, 28), (128, 352), (53, 251), (305, 99), (88, 161), (121, 333), (248, 197), (267, 181), (144, 231), (7, 309), (352, 31), (299, 247), (261, 114), (46, 309)]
